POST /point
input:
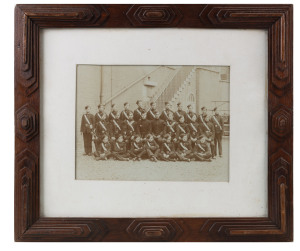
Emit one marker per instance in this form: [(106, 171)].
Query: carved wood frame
[(276, 19)]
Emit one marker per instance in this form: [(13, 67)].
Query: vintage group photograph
[(155, 123)]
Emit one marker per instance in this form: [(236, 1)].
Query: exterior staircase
[(171, 92)]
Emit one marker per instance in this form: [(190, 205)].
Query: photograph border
[(276, 19)]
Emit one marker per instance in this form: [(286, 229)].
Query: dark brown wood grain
[(276, 19)]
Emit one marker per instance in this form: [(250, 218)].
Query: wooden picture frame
[(276, 19)]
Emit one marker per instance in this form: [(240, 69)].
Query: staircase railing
[(173, 86)]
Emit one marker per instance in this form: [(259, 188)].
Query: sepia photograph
[(152, 123)]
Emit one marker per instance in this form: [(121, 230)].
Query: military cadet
[(184, 149), (203, 115), (181, 127), (137, 114), (104, 150), (167, 149), (144, 126), (208, 129), (152, 111), (194, 129), (158, 128), (151, 147), (218, 122), (190, 114), (113, 113), (124, 114), (180, 112), (171, 127), (119, 150), (202, 149), (86, 129), (166, 112), (102, 127), (137, 150), (129, 129), (116, 126), (100, 114)]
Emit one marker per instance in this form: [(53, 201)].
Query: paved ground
[(87, 168)]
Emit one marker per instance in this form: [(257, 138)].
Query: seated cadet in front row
[(184, 149), (143, 126), (119, 151), (202, 150), (104, 149), (137, 150), (158, 128), (167, 149), (151, 147)]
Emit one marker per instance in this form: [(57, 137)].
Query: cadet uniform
[(112, 115), (218, 122), (120, 151), (137, 150), (195, 131), (209, 131), (117, 127), (189, 116), (167, 149), (151, 114), (129, 129), (157, 128), (125, 114), (143, 127), (102, 128), (178, 114), (170, 128), (104, 151), (100, 116), (87, 122), (137, 114), (152, 149), (181, 128), (202, 151), (184, 151), (165, 114)]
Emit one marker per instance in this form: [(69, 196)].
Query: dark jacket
[(87, 123), (218, 123), (137, 114), (119, 147), (164, 115), (144, 126), (182, 128), (158, 127), (178, 114), (124, 114), (99, 116), (151, 114)]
